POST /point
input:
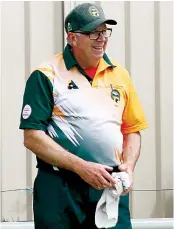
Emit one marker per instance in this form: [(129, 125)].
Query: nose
[(101, 37)]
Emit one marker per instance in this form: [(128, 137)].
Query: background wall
[(142, 42)]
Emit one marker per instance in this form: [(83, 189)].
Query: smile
[(98, 48)]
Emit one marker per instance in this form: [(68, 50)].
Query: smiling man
[(81, 118)]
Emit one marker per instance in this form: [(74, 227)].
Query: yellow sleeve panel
[(133, 118)]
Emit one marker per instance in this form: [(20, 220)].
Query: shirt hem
[(135, 129), (34, 127)]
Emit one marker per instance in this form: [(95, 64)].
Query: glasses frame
[(99, 32)]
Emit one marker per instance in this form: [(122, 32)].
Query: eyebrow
[(99, 30)]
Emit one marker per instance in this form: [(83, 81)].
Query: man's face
[(93, 49)]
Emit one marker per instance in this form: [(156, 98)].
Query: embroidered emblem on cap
[(93, 11), (69, 27)]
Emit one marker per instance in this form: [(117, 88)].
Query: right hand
[(96, 175)]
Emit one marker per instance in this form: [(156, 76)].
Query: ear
[(72, 38)]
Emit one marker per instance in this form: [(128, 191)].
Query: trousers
[(62, 200)]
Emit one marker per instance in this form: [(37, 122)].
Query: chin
[(98, 56)]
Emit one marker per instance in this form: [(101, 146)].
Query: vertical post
[(27, 71), (0, 126)]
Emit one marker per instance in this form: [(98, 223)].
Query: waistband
[(60, 171)]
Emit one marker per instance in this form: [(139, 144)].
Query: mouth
[(98, 48)]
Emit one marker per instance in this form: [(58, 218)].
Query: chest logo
[(115, 95), (72, 85)]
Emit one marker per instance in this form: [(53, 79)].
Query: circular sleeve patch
[(26, 111)]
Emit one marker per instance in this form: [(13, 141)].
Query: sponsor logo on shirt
[(26, 111)]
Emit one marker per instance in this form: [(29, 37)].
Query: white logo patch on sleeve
[(26, 111)]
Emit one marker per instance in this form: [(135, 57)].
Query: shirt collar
[(107, 60), (70, 61)]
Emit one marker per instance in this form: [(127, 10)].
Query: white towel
[(106, 214)]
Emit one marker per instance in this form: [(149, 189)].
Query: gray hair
[(69, 42)]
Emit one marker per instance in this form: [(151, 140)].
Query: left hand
[(127, 168)]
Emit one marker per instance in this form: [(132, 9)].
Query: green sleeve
[(37, 102)]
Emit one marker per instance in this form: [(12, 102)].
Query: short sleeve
[(133, 118), (37, 102)]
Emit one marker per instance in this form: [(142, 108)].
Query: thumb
[(123, 167)]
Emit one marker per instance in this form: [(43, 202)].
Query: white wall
[(142, 41), (31, 32)]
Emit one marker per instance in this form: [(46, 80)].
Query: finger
[(104, 183), (98, 187), (108, 168), (97, 184), (125, 192), (100, 182), (109, 178)]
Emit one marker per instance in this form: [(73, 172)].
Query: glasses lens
[(107, 33), (95, 35)]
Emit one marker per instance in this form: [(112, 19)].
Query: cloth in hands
[(106, 214)]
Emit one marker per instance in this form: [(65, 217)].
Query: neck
[(84, 62)]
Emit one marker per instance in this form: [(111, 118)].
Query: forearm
[(131, 149), (49, 151)]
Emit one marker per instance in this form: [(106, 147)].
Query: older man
[(81, 118)]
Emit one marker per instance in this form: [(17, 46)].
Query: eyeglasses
[(96, 34)]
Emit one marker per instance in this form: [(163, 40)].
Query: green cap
[(86, 17)]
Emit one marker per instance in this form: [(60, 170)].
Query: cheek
[(105, 44), (84, 44), (87, 46)]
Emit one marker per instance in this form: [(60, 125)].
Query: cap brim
[(93, 25)]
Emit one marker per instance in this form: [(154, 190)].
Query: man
[(81, 118)]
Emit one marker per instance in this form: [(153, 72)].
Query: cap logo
[(93, 11), (69, 27)]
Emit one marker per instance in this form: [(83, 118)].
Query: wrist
[(78, 165), (130, 166), (127, 166)]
